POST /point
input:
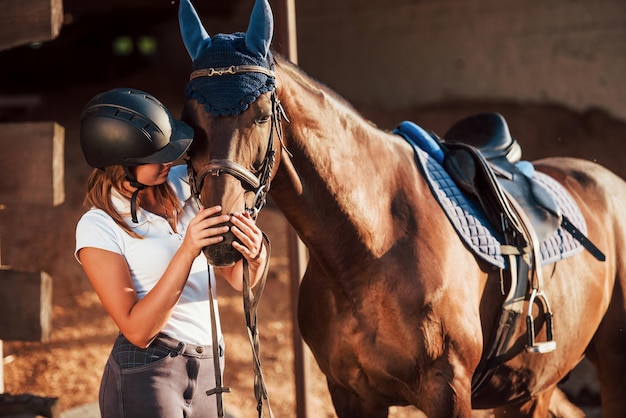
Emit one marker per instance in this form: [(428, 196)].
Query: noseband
[(257, 183)]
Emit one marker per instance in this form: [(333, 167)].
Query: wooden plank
[(26, 21), (28, 405), (25, 305), (31, 164)]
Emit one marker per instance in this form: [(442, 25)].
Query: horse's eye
[(263, 119)]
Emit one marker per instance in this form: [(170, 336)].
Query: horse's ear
[(195, 37), (260, 28)]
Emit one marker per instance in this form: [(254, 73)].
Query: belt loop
[(180, 349)]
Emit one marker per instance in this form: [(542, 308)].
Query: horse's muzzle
[(223, 254)]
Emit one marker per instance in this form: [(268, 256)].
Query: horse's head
[(235, 113)]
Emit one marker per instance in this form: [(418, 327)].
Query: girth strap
[(584, 241)]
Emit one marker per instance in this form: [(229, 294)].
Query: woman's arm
[(141, 320)]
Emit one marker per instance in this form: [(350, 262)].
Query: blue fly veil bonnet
[(230, 71)]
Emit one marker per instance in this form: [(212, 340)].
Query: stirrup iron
[(544, 346)]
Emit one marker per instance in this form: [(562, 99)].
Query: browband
[(233, 69)]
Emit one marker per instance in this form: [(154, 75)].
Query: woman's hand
[(250, 238), (206, 228), (251, 246)]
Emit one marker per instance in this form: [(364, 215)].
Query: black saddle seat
[(489, 133), (481, 157)]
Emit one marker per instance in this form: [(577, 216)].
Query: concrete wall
[(413, 52)]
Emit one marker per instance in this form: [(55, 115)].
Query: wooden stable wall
[(31, 173), (406, 52)]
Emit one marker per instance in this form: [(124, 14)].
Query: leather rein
[(259, 184)]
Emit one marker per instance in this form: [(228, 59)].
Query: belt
[(193, 350)]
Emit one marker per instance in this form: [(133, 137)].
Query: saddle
[(483, 160), (481, 157)]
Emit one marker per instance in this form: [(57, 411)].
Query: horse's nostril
[(222, 254)]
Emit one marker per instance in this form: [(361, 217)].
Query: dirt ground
[(69, 366)]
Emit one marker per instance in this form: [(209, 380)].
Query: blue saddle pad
[(468, 218)]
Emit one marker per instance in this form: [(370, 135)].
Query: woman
[(140, 244)]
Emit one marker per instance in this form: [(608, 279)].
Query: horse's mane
[(315, 86)]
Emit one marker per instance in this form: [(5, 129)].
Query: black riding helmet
[(129, 127)]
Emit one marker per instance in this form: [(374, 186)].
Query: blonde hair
[(100, 185)]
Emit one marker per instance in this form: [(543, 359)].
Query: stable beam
[(25, 305), (26, 21), (31, 164)]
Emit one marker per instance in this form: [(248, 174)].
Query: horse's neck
[(345, 172)]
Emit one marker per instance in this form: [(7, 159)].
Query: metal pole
[(285, 42)]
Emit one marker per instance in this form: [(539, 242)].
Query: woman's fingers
[(248, 234), (209, 222), (208, 228)]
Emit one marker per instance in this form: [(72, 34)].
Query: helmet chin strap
[(138, 187)]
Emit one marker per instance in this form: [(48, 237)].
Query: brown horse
[(394, 307)]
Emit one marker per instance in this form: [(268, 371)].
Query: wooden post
[(285, 42), (31, 164), (1, 369), (301, 353), (25, 305), (26, 21), (285, 36)]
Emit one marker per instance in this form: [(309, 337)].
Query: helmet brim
[(180, 141)]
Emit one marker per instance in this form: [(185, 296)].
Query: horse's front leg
[(446, 390), (348, 405), (552, 402)]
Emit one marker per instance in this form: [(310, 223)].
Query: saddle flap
[(492, 183), (462, 168), (538, 205)]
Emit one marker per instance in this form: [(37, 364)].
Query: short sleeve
[(96, 229)]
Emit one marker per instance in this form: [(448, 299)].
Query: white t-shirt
[(148, 258)]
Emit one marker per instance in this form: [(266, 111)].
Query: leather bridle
[(259, 182)]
